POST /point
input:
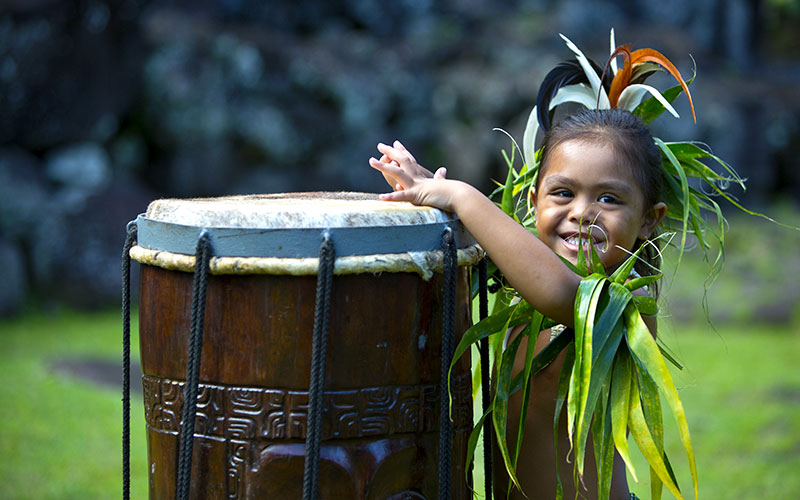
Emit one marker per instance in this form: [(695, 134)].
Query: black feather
[(566, 73)]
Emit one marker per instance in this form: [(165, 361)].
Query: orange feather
[(623, 77)]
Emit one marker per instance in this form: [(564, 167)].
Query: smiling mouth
[(572, 242)]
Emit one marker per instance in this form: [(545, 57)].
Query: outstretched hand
[(411, 181), (549, 284)]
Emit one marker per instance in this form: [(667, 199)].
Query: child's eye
[(607, 198), (562, 193)]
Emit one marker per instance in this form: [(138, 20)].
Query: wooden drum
[(381, 398)]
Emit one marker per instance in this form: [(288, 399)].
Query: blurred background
[(107, 105)]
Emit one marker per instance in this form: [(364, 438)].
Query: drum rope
[(199, 286), (319, 352), (448, 333), (130, 241), (483, 310)]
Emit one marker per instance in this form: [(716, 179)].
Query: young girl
[(599, 183)]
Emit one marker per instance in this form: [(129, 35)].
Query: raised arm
[(527, 263)]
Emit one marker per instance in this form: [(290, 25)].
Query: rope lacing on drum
[(448, 334), (319, 353), (483, 311), (199, 286), (130, 241)]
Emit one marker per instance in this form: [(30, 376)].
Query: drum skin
[(381, 402)]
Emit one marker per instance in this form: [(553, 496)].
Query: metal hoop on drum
[(161, 242)]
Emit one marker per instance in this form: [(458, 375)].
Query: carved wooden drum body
[(380, 416)]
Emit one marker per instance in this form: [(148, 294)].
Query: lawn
[(60, 435), (741, 391)]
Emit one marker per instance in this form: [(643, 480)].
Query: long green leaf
[(651, 406), (670, 158), (585, 304), (623, 272), (641, 434), (500, 405), (561, 396), (472, 443), (646, 305), (532, 332), (598, 384), (605, 334), (648, 355), (620, 407), (689, 152), (595, 264), (497, 322), (507, 202), (641, 282), (603, 443)]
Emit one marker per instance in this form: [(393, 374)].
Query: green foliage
[(759, 256), (617, 373), (617, 376), (60, 437)]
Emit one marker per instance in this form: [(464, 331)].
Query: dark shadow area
[(101, 372)]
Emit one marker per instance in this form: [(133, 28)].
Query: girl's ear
[(652, 218)]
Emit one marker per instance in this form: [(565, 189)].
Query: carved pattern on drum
[(210, 412), (162, 404), (237, 452), (461, 388), (250, 413)]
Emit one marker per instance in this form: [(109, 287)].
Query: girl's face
[(585, 191)]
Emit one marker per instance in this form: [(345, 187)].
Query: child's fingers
[(388, 150), (390, 166), (392, 170), (399, 145), (402, 195), (441, 173), (399, 155)]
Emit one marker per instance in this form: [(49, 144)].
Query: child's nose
[(583, 212)]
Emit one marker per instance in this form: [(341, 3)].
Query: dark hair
[(630, 141)]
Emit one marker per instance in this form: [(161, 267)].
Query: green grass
[(741, 391), (60, 437)]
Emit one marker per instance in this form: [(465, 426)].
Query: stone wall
[(107, 105)]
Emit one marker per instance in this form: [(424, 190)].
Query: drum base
[(381, 400)]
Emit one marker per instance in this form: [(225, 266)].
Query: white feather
[(613, 45), (578, 93), (529, 138), (594, 79), (632, 96)]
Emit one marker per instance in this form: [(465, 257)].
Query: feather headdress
[(582, 81)]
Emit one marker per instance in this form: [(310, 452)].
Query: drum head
[(293, 211), (369, 235)]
